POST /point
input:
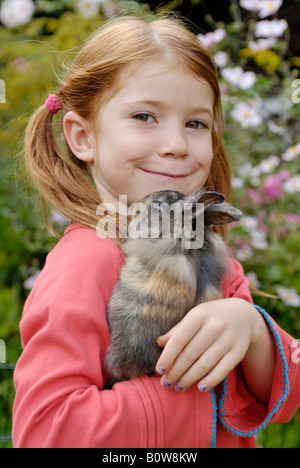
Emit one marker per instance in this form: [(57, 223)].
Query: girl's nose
[(173, 143)]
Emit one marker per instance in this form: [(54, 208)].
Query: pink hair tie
[(53, 104)]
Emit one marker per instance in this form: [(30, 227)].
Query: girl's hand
[(208, 343)]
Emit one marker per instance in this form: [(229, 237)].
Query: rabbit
[(164, 276)]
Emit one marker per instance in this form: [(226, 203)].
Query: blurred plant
[(16, 12), (262, 128)]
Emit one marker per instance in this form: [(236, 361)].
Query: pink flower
[(264, 228), (21, 64), (254, 197), (261, 218), (292, 218), (272, 188), (284, 175)]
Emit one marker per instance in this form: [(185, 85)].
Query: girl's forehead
[(155, 68), (151, 76)]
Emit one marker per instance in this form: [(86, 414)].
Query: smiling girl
[(164, 135), (141, 112)]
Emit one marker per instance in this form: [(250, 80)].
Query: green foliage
[(29, 66), (6, 393)]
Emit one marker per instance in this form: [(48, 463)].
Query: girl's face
[(154, 134)]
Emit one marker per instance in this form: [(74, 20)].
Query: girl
[(141, 112)]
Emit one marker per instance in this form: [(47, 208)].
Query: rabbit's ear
[(209, 198), (221, 214), (203, 200)]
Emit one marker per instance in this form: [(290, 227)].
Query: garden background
[(260, 81)]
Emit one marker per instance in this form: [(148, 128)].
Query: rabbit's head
[(181, 219)]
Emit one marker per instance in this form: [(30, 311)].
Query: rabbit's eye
[(156, 206)]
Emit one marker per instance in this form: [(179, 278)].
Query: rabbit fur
[(163, 278)]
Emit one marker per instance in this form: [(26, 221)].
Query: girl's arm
[(259, 362), (59, 378), (209, 343)]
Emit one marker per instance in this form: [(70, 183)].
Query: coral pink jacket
[(59, 377)]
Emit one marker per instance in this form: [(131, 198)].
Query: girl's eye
[(196, 124), (143, 117)]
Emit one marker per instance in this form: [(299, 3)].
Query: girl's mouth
[(165, 175)]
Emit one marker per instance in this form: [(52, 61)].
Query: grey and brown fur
[(161, 280)]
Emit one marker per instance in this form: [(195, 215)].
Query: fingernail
[(178, 387), (203, 388), (161, 370), (166, 384)]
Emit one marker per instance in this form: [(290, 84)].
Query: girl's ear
[(79, 136)]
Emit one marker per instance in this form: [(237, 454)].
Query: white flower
[(274, 128), (247, 115), (59, 218), (291, 153), (16, 12), (212, 38), (251, 5), (221, 59), (258, 240), (292, 185), (269, 7), (253, 280), (247, 170), (256, 171), (249, 223), (269, 164), (244, 253), (29, 282), (274, 28), (289, 296), (89, 8), (244, 169), (263, 7), (276, 105), (237, 183), (262, 44), (238, 77)]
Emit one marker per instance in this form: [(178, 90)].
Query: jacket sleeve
[(235, 283), (60, 401), (64, 333), (240, 412)]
